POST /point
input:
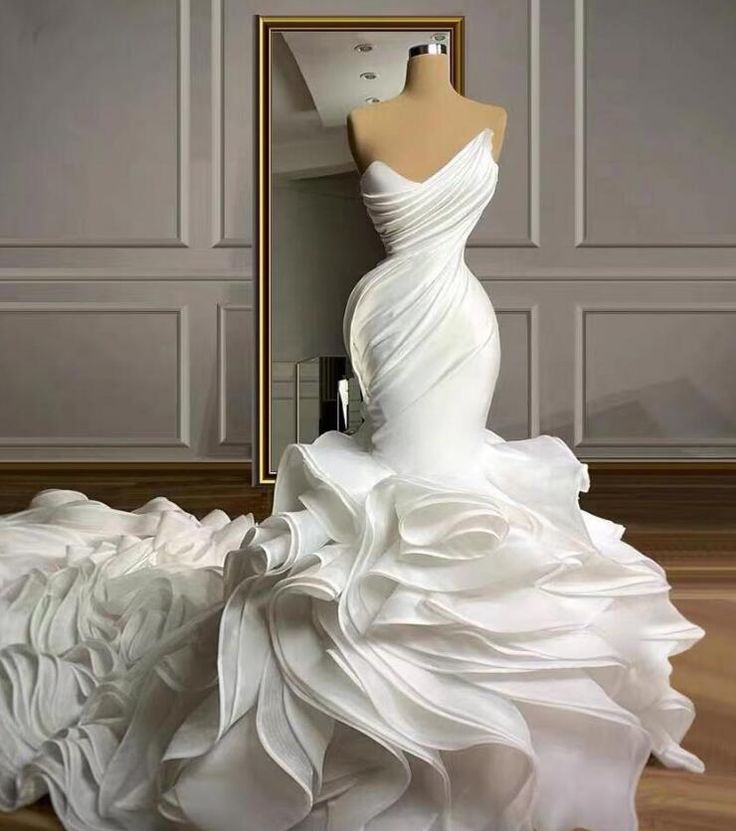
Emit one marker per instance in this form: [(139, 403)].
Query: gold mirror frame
[(266, 27)]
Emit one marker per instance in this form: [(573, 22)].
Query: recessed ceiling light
[(364, 47), (368, 76)]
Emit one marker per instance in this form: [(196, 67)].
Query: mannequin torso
[(416, 132)]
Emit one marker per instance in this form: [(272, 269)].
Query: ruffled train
[(385, 652)]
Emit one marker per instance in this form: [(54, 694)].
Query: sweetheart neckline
[(439, 170)]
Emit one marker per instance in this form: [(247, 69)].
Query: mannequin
[(416, 132)]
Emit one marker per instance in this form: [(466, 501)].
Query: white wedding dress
[(428, 634)]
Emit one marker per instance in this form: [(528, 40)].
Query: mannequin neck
[(428, 75)]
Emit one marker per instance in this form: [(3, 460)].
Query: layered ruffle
[(384, 652), (96, 606)]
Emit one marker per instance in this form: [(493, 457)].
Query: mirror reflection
[(322, 241)]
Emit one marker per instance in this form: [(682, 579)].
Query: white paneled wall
[(126, 198)]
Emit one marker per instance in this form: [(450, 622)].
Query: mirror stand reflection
[(327, 397)]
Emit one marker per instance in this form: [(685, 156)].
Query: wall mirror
[(313, 238)]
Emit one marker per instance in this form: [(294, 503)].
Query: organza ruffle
[(384, 652)]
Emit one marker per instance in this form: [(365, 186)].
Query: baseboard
[(683, 514), (197, 487)]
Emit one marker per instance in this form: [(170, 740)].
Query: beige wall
[(126, 209)]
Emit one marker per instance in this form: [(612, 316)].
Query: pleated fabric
[(428, 634), (420, 329)]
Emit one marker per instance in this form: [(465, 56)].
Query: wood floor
[(683, 515)]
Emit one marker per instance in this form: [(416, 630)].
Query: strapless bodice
[(442, 209), (419, 328)]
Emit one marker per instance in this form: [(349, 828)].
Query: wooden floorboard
[(682, 515), (38, 817), (197, 487)]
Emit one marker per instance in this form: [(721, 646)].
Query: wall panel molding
[(123, 275), (224, 437), (531, 240), (582, 238), (582, 313), (219, 235), (183, 118), (182, 437), (531, 313)]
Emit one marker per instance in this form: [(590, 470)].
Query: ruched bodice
[(420, 329), (441, 210)]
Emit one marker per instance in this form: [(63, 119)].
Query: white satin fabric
[(428, 634)]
